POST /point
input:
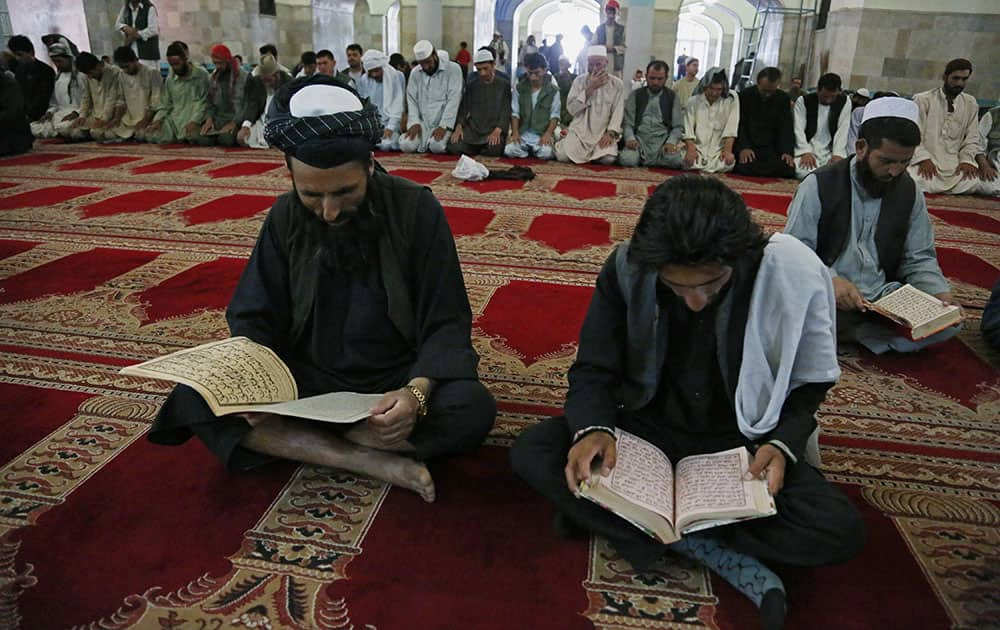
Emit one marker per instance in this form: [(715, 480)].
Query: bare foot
[(399, 471)]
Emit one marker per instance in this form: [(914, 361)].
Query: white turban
[(891, 107), (483, 56), (373, 59), (422, 50), (597, 51)]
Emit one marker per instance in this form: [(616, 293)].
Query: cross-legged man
[(868, 222), (703, 335), (355, 283)]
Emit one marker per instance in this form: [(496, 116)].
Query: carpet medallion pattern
[(113, 255)]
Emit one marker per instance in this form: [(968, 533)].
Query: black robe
[(340, 330), (15, 134), (766, 127)]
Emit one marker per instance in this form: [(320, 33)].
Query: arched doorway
[(547, 18)]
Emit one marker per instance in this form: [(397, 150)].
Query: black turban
[(323, 140)]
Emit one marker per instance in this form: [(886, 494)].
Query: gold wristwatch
[(421, 400)]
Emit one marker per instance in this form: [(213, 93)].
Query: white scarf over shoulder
[(790, 337)]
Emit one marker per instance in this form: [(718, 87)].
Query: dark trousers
[(496, 150), (461, 416), (815, 524), (767, 164)]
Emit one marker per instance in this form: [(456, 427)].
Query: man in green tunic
[(183, 100)]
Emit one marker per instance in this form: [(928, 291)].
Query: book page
[(913, 306), (643, 475), (713, 483), (232, 375), (339, 407)]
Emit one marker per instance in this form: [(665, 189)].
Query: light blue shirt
[(858, 262)]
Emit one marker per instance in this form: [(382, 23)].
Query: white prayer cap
[(483, 56), (443, 56), (323, 100), (373, 59), (422, 50), (891, 107), (864, 92), (597, 51)]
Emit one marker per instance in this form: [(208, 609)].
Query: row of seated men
[(757, 132)]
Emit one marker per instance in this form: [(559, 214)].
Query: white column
[(429, 21), (638, 36)]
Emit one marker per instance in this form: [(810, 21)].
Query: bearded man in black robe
[(355, 283)]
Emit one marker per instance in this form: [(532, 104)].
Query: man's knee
[(514, 151), (544, 152), (458, 148), (629, 157), (471, 410), (204, 141), (227, 140), (407, 145), (539, 449), (607, 160), (438, 146), (560, 153), (493, 150)]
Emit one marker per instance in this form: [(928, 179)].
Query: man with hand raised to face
[(355, 283), (704, 335), (868, 221)]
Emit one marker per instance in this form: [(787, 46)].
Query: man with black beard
[(868, 221), (355, 283), (765, 143), (653, 123)]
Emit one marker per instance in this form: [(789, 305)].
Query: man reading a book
[(355, 283), (704, 335), (867, 220)]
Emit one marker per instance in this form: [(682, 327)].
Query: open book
[(704, 491), (921, 314), (236, 375)]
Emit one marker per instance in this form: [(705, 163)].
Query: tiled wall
[(664, 35), (458, 24), (907, 51), (203, 23)]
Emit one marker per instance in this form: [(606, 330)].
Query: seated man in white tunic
[(822, 123), (596, 102), (433, 98), (385, 87), (711, 124), (868, 221), (950, 159), (64, 107)]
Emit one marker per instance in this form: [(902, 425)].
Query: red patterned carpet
[(112, 255)]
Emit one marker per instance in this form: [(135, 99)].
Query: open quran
[(920, 314), (666, 502), (236, 375)]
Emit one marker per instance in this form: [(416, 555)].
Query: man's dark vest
[(150, 48), (812, 112), (536, 118), (667, 97), (835, 195), (393, 198)]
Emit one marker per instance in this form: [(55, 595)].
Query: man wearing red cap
[(611, 35), (227, 89)]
